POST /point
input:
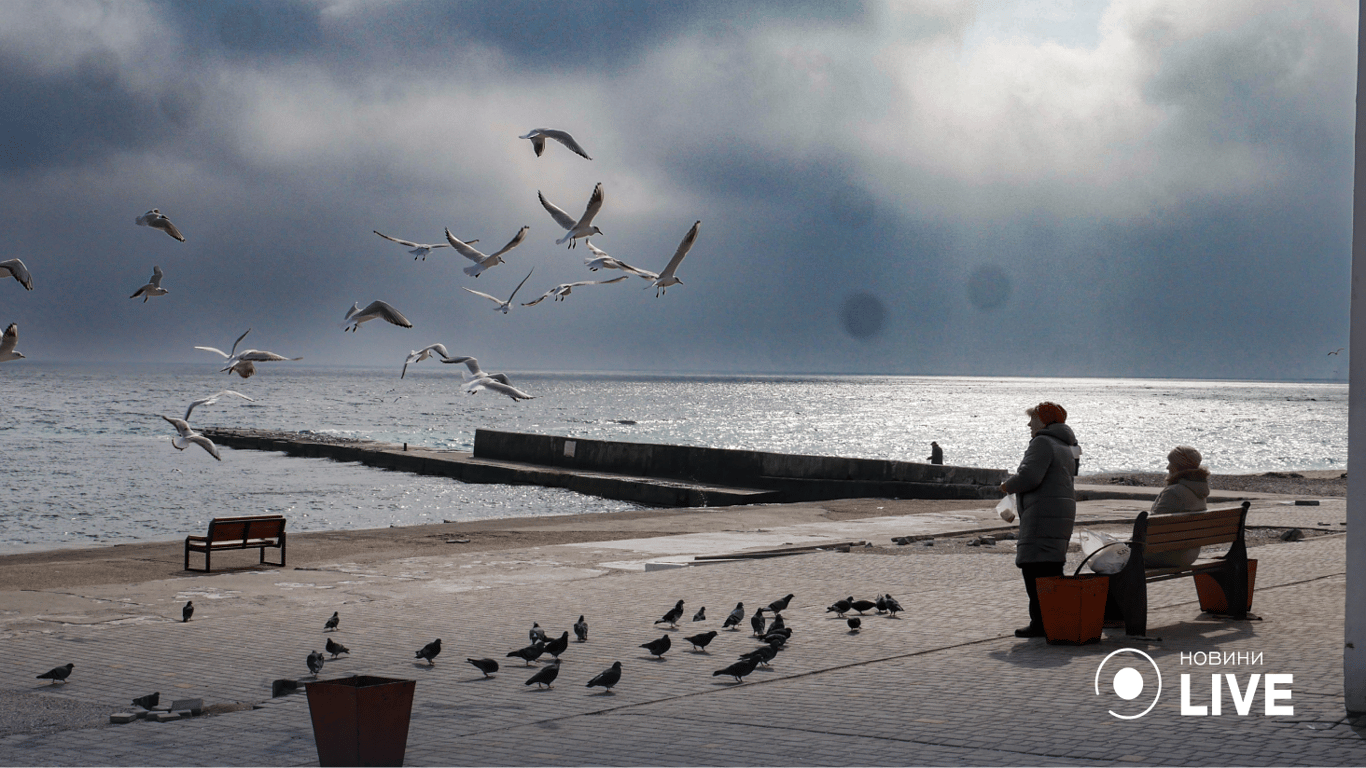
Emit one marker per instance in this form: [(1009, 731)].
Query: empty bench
[(259, 532), (1164, 533)]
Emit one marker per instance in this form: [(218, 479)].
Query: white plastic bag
[(1006, 508), (1112, 559)]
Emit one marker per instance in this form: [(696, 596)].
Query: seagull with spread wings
[(376, 309), (188, 436), (153, 286), (475, 372), (157, 220), (418, 355), (212, 399), (11, 339), (584, 226), (15, 268), (504, 306), (419, 250), (482, 262), (667, 277), (564, 289), (600, 260), (539, 135), (494, 385), (244, 363)]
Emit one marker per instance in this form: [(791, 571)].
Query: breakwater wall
[(646, 473)]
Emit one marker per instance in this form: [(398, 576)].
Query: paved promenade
[(946, 683)]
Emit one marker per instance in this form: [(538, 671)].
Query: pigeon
[(187, 611), (584, 226), (701, 614), (758, 622), (148, 701), (893, 607), (854, 623), (739, 669), (658, 647), (430, 651), (736, 616), (546, 675), (530, 653), (776, 639), (778, 623), (779, 605), (785, 632), (700, 642), (153, 286), (8, 343), (671, 618), (607, 678), (333, 647), (763, 654), (881, 604), (862, 605), (58, 673), (841, 607), (536, 634), (539, 135), (487, 666), (157, 220), (375, 309), (333, 622), (556, 647), (315, 662), (15, 268), (581, 630)]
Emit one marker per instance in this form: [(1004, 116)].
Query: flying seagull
[(475, 372), (188, 436), (504, 306), (15, 268), (539, 135), (376, 309), (607, 678), (584, 226), (419, 250), (212, 399), (667, 277), (57, 673), (418, 355), (157, 220), (564, 289), (494, 385), (153, 286), (600, 260), (482, 262), (8, 342), (26, 285)]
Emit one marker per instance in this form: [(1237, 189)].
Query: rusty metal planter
[(361, 720), (1073, 607)]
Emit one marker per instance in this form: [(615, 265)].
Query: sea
[(89, 462)]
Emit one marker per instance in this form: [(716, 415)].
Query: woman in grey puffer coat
[(1047, 502)]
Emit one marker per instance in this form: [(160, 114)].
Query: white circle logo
[(1128, 683)]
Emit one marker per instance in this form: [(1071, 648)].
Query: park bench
[(255, 532), (1163, 533)]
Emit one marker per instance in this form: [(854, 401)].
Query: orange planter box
[(1073, 607), (1212, 598)]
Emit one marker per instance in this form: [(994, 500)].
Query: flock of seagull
[(244, 363)]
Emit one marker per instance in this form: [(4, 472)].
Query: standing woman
[(1048, 505)]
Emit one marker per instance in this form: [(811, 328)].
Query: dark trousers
[(1031, 572)]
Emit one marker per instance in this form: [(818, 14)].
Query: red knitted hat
[(1049, 413)]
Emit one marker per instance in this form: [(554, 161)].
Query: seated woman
[(1186, 491)]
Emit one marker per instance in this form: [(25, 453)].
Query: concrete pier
[(657, 475)]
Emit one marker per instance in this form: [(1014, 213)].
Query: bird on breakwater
[(758, 622), (213, 400), (152, 288), (658, 647), (487, 666), (148, 701), (841, 607), (419, 250), (333, 622), (581, 630), (545, 675), (584, 226), (600, 260), (375, 309), (430, 652), (504, 306), (539, 135), (335, 648), (57, 674), (418, 355), (607, 678), (187, 611), (315, 663), (188, 436), (668, 276), (558, 645), (672, 616), (16, 269), (701, 614), (736, 616), (700, 642), (482, 262), (158, 220), (528, 654), (739, 669), (8, 343), (779, 605)]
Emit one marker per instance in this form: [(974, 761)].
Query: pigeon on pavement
[(430, 651), (658, 647), (758, 622), (736, 616), (556, 647), (536, 634), (333, 622), (701, 614), (187, 611), (148, 701), (335, 648), (607, 678), (700, 642), (739, 669), (893, 607), (779, 605), (862, 605), (487, 666), (581, 629), (546, 675), (854, 623), (58, 673), (528, 654), (841, 607), (315, 663), (671, 618), (763, 654)]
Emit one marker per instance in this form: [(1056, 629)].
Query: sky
[(1139, 188)]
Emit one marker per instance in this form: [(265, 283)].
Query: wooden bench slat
[(1188, 543), (1229, 533)]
